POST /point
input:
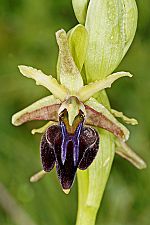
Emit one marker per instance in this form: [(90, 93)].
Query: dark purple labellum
[(69, 152)]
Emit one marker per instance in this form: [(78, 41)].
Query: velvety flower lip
[(68, 152)]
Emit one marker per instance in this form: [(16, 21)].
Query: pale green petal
[(89, 90), (126, 119), (127, 153), (26, 114), (111, 26), (106, 120), (80, 9), (41, 130), (78, 41), (47, 81), (70, 76)]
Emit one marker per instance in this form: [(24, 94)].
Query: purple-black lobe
[(47, 155), (80, 152), (89, 145)]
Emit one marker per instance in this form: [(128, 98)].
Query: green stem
[(91, 183), (86, 214)]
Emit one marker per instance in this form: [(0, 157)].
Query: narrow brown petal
[(99, 120), (44, 113), (43, 109)]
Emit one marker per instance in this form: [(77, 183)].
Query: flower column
[(111, 27)]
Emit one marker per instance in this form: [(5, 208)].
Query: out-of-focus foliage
[(27, 37)]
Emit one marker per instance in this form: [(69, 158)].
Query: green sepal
[(58, 90), (69, 74), (123, 150), (89, 90), (78, 41)]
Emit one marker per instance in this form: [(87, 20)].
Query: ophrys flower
[(70, 139)]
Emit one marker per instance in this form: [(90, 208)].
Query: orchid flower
[(70, 139)]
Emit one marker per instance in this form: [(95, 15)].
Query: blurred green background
[(27, 29)]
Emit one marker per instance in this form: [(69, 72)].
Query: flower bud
[(111, 26), (80, 9)]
